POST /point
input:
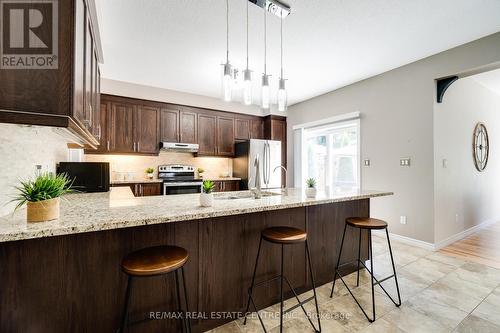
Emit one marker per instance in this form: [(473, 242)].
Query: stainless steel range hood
[(180, 147)]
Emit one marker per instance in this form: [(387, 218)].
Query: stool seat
[(366, 223), (284, 235), (154, 260)]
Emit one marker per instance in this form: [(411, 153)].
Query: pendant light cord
[(265, 43), (227, 31), (281, 40), (247, 33)]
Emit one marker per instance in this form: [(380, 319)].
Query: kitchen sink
[(241, 195)]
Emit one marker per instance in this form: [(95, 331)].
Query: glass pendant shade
[(282, 96), (265, 91), (247, 87), (227, 82)]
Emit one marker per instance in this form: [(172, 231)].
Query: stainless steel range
[(179, 179)]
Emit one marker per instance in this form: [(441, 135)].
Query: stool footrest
[(298, 304)]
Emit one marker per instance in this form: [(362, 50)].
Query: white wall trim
[(330, 120), (462, 234), (407, 240)]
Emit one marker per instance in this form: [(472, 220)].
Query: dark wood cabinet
[(188, 126), (226, 185), (121, 139), (275, 129), (104, 114), (225, 136), (169, 125), (257, 128), (60, 97), (207, 134), (241, 129), (146, 130), (142, 189)]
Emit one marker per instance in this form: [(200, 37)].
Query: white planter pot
[(310, 192), (206, 199), (150, 175)]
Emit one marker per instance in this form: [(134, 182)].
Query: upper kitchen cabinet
[(147, 131), (275, 129), (257, 128), (121, 125), (169, 124), (225, 136), (242, 129), (58, 84), (188, 126), (207, 134)]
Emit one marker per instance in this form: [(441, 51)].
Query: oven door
[(181, 188)]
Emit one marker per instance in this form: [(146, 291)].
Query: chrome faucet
[(257, 191), (284, 189)]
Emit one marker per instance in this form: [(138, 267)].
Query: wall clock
[(480, 147)]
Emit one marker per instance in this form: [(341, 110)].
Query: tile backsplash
[(214, 166)]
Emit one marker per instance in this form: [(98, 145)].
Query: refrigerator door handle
[(268, 163), (264, 168)]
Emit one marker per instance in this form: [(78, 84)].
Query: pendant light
[(282, 94), (226, 75), (265, 78), (247, 76)]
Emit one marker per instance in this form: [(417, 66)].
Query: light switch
[(404, 161), (366, 162), (445, 163)]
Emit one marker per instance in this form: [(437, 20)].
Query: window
[(331, 155)]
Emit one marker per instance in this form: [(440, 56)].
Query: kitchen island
[(65, 275)]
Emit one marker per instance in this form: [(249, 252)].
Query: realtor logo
[(29, 34)]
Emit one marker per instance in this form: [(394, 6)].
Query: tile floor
[(440, 293)]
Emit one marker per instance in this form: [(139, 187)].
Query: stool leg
[(125, 306), (179, 304), (372, 273), (188, 320), (359, 257), (338, 261), (314, 286), (281, 289), (250, 290), (393, 267)]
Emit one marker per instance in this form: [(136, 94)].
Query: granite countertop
[(87, 212), (135, 181)]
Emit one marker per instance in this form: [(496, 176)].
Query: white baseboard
[(452, 239), (408, 240), (439, 245)]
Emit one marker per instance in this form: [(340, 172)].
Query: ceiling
[(489, 79), (328, 44)]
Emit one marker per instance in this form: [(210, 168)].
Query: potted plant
[(42, 196), (206, 195), (200, 172), (311, 188), (150, 173)]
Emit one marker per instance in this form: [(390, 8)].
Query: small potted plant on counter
[(42, 196), (150, 173), (311, 188), (200, 172), (206, 196)]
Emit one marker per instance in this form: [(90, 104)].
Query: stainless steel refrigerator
[(269, 154)]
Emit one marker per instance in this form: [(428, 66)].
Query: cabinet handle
[(134, 146), (138, 146), (91, 114), (99, 131), (107, 145)]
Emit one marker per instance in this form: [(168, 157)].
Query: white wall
[(465, 197), (128, 89), (21, 148), (397, 121)]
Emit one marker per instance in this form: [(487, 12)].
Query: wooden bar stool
[(283, 236), (368, 224), (153, 261)]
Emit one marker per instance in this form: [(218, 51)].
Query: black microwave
[(87, 176)]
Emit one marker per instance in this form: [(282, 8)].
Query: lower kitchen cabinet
[(143, 189), (226, 185)]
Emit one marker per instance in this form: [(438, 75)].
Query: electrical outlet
[(402, 219), (366, 162), (404, 161)]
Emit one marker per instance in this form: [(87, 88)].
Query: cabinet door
[(207, 128), (122, 128), (231, 185), (257, 129), (242, 129), (278, 132), (146, 130), (218, 186), (104, 144), (89, 75), (79, 65), (149, 189), (96, 130), (225, 136), (188, 127), (169, 125)]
